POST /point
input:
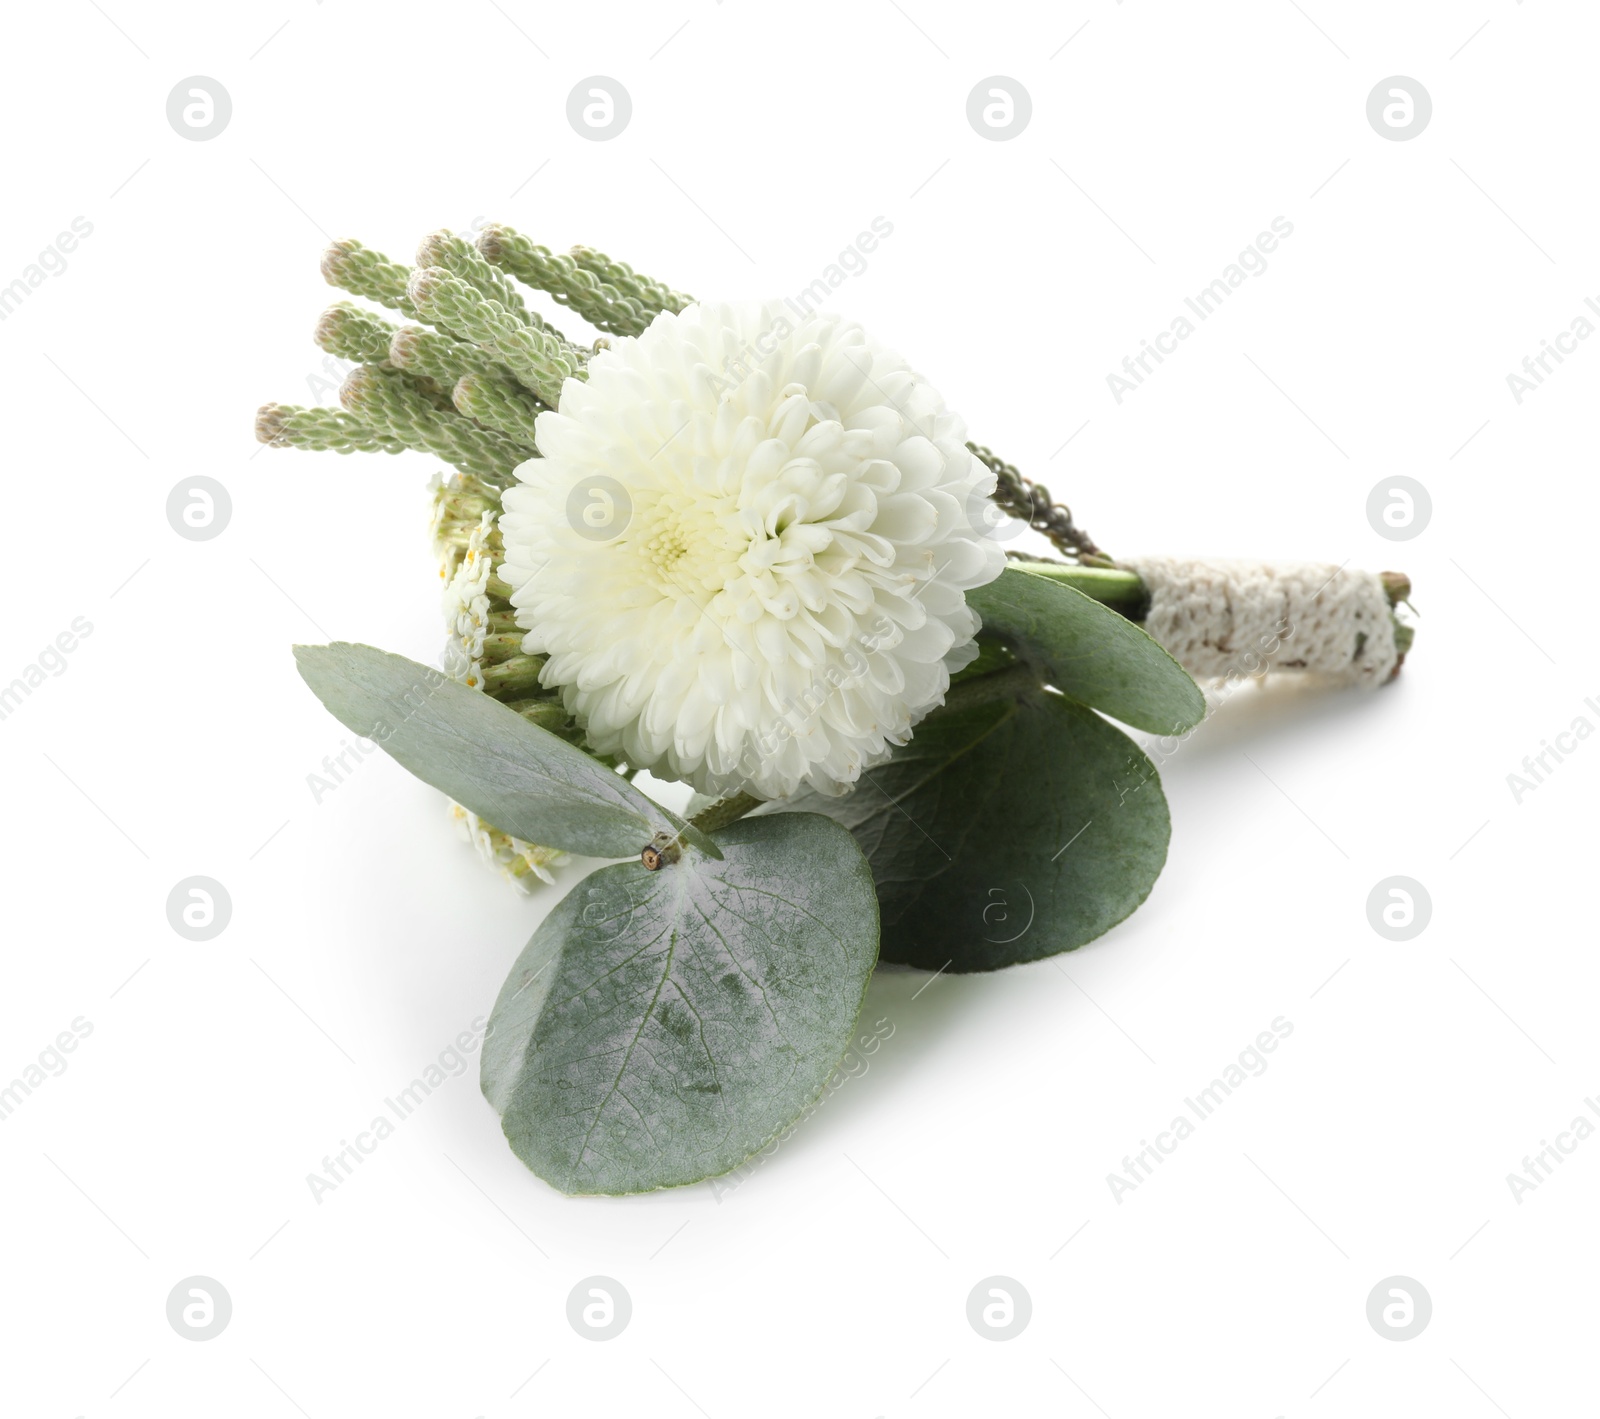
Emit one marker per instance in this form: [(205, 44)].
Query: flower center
[(667, 548), (689, 541)]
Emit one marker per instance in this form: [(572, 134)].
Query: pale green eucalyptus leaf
[(1004, 832), (661, 1027), (1088, 651), (523, 779)]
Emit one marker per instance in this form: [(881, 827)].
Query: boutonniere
[(747, 548)]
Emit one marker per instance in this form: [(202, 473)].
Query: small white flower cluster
[(466, 607), (458, 505), (466, 616), (519, 862)]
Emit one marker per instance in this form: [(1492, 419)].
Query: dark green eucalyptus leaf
[(524, 780), (1005, 832), (1089, 652), (661, 1027)]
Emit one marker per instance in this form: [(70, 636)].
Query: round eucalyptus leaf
[(660, 1027), (1005, 832), (1089, 652)]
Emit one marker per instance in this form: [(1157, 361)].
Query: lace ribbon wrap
[(1223, 619)]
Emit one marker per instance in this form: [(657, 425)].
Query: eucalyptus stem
[(1122, 590)]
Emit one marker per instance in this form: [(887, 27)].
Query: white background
[(364, 935)]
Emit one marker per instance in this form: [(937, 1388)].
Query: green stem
[(1397, 586), (513, 678), (725, 811), (1116, 587)]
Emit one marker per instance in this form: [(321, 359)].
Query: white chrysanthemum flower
[(745, 548)]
